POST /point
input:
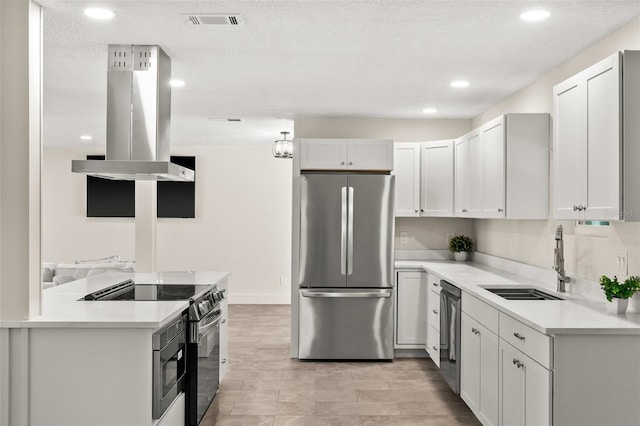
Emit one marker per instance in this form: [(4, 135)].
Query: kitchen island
[(91, 363)]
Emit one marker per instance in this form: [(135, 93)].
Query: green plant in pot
[(618, 293), (461, 246)]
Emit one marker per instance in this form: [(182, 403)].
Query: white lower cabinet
[(525, 389), (224, 339), (410, 310), (479, 375), (479, 370), (432, 301)]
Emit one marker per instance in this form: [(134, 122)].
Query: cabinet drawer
[(482, 312), (531, 342), (433, 283), (433, 345), (433, 310)]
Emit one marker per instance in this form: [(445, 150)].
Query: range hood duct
[(138, 118)]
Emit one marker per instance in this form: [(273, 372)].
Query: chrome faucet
[(558, 261)]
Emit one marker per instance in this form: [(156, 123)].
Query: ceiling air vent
[(217, 19)]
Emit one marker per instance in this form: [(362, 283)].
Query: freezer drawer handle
[(360, 294)]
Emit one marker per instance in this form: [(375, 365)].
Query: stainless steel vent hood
[(138, 118)]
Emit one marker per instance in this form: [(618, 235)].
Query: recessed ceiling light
[(176, 83), (86, 137), (429, 110), (97, 13), (534, 15), (459, 84)]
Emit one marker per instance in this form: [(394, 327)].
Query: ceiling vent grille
[(217, 19)]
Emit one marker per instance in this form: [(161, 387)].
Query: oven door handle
[(202, 329)]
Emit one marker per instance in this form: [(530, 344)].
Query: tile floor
[(265, 387)]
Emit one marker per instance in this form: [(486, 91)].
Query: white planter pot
[(617, 306), (634, 303), (460, 256)]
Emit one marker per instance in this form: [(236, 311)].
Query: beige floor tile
[(416, 421), (239, 421), (274, 408), (329, 384), (317, 395), (317, 421), (231, 384), (248, 396), (403, 395), (279, 384), (357, 409)]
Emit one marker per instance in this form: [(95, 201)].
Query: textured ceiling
[(383, 58)]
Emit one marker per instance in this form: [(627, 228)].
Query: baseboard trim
[(259, 299)]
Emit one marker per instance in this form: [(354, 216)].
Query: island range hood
[(138, 118)]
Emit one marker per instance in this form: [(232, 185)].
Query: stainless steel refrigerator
[(346, 266)]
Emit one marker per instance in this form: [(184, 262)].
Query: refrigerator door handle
[(350, 237), (338, 294), (343, 233)]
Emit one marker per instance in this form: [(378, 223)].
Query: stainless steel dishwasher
[(450, 334)]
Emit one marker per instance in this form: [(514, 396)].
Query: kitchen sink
[(522, 294)]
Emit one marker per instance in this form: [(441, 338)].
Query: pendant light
[(283, 148)]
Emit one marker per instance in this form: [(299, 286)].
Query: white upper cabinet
[(424, 178), (406, 168), (493, 173), (515, 167), (596, 150), (346, 154), (437, 178), (369, 154), (467, 176)]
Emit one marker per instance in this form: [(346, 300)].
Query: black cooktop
[(129, 290)]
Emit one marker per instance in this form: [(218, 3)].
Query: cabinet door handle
[(342, 163), (575, 208), (517, 363), (224, 320), (464, 210), (435, 312), (518, 336), (224, 360), (500, 210), (351, 163), (416, 210), (421, 210), (435, 284), (473, 330), (434, 348)]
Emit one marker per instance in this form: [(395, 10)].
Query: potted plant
[(618, 293), (460, 246), (634, 301)]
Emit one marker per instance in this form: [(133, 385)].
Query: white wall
[(242, 224), (532, 241), (423, 233)]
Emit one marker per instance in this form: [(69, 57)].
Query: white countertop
[(570, 316), (61, 307)]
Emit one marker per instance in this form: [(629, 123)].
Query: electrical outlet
[(622, 263), (283, 281), (404, 237)]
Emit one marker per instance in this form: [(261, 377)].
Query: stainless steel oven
[(450, 334), (169, 364), (203, 355)]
